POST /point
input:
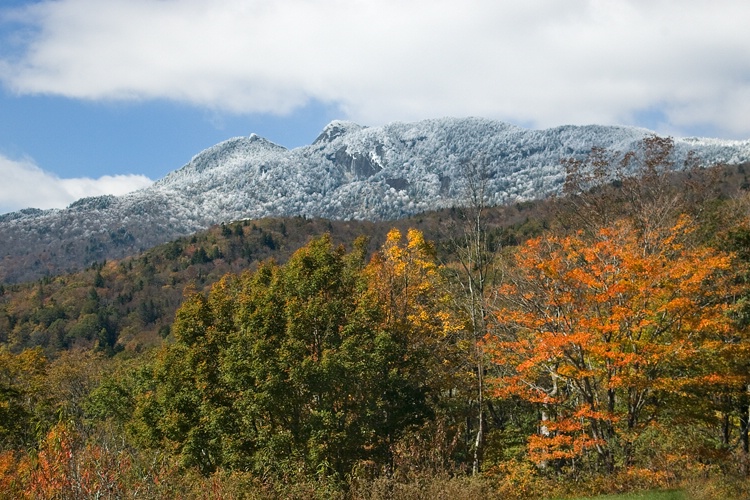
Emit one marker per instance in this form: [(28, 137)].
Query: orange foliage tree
[(599, 328)]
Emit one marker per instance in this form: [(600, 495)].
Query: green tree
[(291, 366), (23, 402)]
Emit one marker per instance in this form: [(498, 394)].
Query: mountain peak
[(336, 129), (262, 142)]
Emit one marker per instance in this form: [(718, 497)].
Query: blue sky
[(105, 96), (81, 138)]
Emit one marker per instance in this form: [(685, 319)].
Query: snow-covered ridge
[(396, 170), (348, 172)]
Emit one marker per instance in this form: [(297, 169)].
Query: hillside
[(350, 172), (130, 303)]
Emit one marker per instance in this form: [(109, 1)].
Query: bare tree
[(650, 186), (472, 275)]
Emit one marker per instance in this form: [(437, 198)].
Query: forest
[(597, 342)]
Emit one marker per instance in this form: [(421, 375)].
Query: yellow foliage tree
[(405, 280)]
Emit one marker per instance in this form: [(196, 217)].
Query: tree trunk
[(725, 429), (745, 422), (478, 444)]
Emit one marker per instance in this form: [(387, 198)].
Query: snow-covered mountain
[(348, 172)]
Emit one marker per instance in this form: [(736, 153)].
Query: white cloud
[(537, 62), (25, 185)]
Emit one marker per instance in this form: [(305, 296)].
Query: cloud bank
[(678, 65), (26, 185)]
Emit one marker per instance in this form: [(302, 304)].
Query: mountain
[(348, 172)]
